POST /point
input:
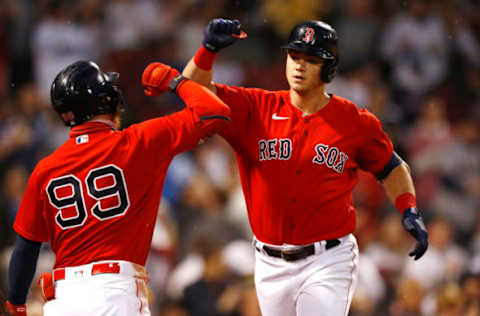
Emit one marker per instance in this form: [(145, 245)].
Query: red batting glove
[(156, 77), (16, 310)]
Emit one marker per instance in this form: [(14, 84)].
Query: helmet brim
[(318, 52)]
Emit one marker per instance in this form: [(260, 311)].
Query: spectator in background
[(59, 40), (131, 23), (444, 261), (470, 284), (464, 59), (22, 17), (474, 246), (444, 160), (414, 44), (14, 184), (217, 291), (388, 250), (39, 118), (194, 18), (388, 112), (15, 137), (7, 14), (408, 297), (358, 30), (355, 85), (163, 254), (458, 195), (426, 141), (209, 234), (371, 288), (450, 300), (200, 297), (461, 37), (248, 305), (283, 14)]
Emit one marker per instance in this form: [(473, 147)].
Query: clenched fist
[(221, 33), (156, 77)]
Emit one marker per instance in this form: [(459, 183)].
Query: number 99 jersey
[(96, 197)]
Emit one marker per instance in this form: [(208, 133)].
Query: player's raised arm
[(158, 78), (218, 34)]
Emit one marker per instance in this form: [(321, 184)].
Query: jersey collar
[(286, 99), (92, 127)]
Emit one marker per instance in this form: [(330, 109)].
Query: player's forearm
[(398, 182), (212, 111), (22, 269), (399, 187), (201, 76)]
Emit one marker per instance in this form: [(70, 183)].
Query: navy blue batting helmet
[(318, 39), (82, 90)]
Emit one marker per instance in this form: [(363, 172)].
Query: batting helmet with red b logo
[(318, 39)]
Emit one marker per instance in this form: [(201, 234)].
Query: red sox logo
[(309, 33)]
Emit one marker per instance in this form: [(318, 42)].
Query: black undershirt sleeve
[(22, 269)]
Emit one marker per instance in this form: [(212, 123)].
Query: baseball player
[(95, 199), (298, 154)]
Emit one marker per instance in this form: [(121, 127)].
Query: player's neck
[(309, 101), (108, 119)]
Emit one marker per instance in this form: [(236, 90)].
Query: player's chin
[(299, 87)]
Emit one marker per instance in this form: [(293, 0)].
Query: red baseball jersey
[(298, 171), (97, 196)]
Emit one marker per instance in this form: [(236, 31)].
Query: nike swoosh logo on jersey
[(276, 117)]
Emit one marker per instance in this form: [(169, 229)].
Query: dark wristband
[(177, 81)]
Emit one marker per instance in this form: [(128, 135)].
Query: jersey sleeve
[(203, 115), (376, 148), (30, 219), (169, 135), (240, 100)]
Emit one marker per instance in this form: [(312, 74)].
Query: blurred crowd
[(414, 63)]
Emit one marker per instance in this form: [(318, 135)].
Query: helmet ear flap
[(329, 70), (107, 100)]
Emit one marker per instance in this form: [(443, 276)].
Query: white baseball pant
[(321, 284), (78, 291)]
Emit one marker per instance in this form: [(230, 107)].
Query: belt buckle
[(288, 253), (292, 251)]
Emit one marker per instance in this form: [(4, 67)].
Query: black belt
[(297, 253)]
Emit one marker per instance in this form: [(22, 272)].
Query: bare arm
[(401, 191), (399, 181), (200, 76)]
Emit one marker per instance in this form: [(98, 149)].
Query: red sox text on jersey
[(324, 154), (298, 171)]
